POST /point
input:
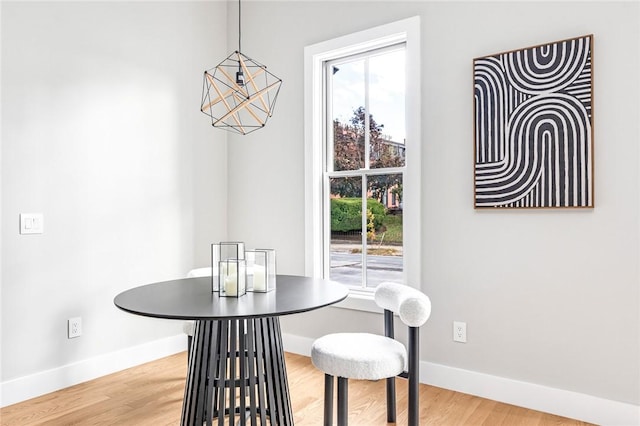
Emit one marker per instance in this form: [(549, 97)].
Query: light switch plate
[(31, 223)]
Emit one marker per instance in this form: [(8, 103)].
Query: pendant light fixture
[(239, 93)]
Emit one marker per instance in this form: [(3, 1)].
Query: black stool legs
[(414, 376), (328, 400), (391, 400), (343, 401)]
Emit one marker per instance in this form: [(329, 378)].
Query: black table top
[(192, 299)]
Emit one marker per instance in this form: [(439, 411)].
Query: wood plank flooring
[(151, 394)]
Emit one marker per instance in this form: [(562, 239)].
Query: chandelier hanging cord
[(239, 26), (240, 73)]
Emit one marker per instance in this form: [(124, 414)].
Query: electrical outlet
[(460, 331), (74, 327)]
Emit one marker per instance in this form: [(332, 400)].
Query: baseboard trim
[(560, 402), (34, 385)]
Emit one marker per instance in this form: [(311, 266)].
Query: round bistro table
[(236, 369)]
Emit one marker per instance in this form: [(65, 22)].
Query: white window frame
[(407, 31)]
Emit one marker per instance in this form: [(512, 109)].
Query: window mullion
[(367, 133), (364, 230), (372, 172), (367, 166)]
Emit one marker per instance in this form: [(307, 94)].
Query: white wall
[(102, 133), (550, 297)]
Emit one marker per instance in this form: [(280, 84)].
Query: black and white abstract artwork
[(533, 124)]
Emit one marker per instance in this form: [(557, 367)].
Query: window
[(365, 132), (362, 157)]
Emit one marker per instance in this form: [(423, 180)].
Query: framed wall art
[(533, 125)]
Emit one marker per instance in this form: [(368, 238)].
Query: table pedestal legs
[(237, 375)]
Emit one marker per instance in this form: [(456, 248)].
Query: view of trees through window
[(366, 242)]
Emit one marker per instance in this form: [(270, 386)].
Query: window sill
[(359, 301)]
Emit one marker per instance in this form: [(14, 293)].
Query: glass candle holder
[(262, 266), (223, 251), (233, 277)]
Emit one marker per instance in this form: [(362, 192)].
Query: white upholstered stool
[(368, 356)]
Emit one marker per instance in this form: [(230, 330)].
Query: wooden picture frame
[(533, 126)]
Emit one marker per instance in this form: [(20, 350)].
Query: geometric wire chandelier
[(239, 94)]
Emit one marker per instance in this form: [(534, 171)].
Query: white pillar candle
[(229, 268), (259, 278), (231, 285)]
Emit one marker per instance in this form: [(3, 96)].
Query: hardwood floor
[(151, 394)]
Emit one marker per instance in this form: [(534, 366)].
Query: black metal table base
[(237, 375)]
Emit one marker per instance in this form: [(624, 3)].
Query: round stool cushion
[(359, 356)]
